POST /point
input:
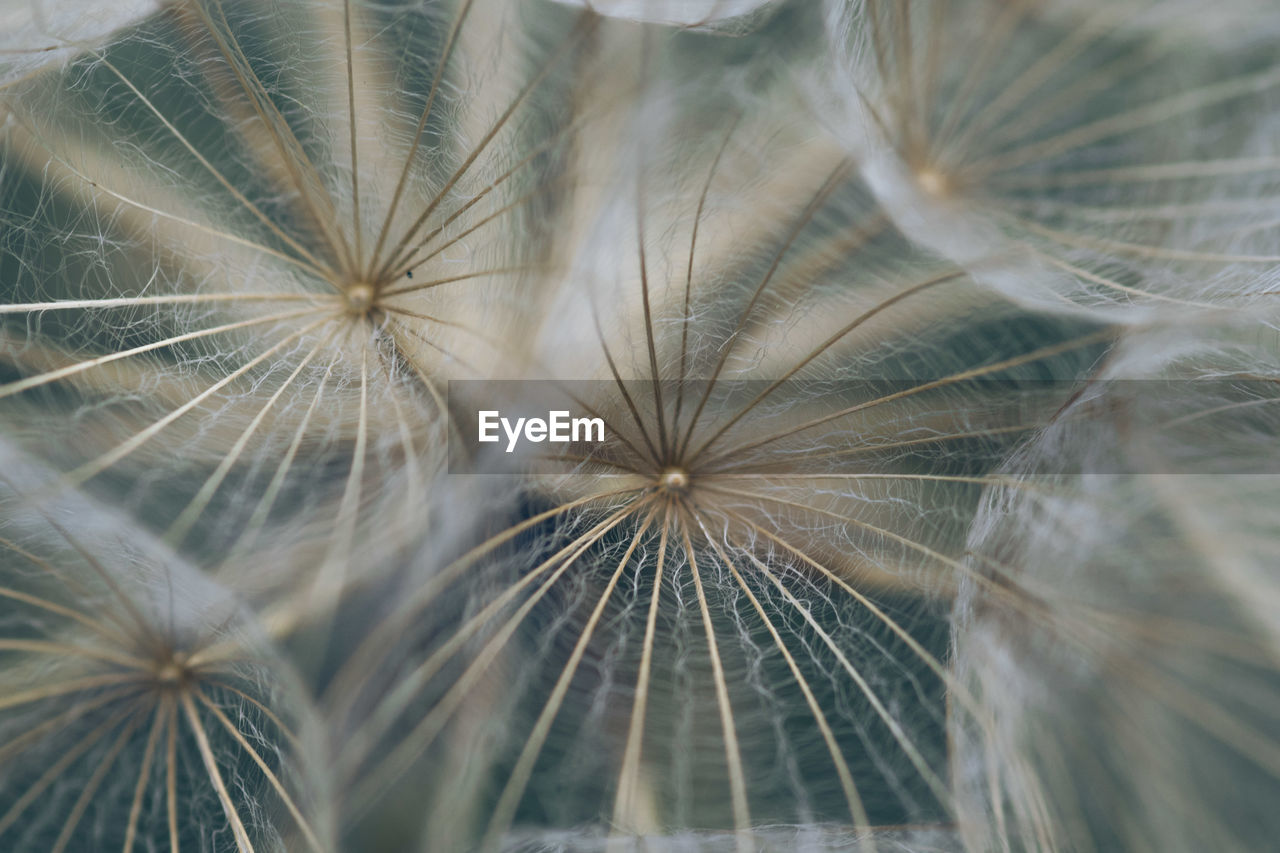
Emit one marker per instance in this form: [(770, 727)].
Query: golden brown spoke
[(1133, 119), (688, 275), (155, 211), (961, 376), (91, 787), (628, 778), (306, 178), (899, 735), (144, 774), (654, 378), (425, 732), (733, 756), (398, 255), (1115, 285), (538, 149), (954, 687), (413, 288), (854, 801), (402, 250), (942, 478), (259, 518), (430, 318), (445, 53), (99, 628), (18, 743), (1185, 170), (391, 629), (63, 372), (751, 469), (97, 466), (71, 650), (60, 766), (492, 342), (239, 196), (824, 192), (419, 260), (355, 159), (270, 715), (75, 685), (181, 526), (593, 412), (301, 822), (1139, 249), (215, 777), (408, 686), (140, 301), (171, 769), (622, 389), (518, 780), (824, 346)]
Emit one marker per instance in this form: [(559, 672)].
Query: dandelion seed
[(138, 709), (1121, 644), (744, 625), (245, 245), (1101, 156)]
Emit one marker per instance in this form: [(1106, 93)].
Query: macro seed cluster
[(937, 349)]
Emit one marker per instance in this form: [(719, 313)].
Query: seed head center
[(360, 298), (674, 480), (172, 671), (933, 182)]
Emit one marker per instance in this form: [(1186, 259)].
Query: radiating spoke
[(895, 727), (402, 251), (518, 780), (629, 777), (55, 770), (824, 346), (301, 822), (445, 53), (215, 776), (425, 732), (857, 811), (182, 525), (391, 629), (961, 376), (409, 685), (91, 786), (97, 466), (819, 199), (733, 754), (144, 774), (239, 196), (79, 367)]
